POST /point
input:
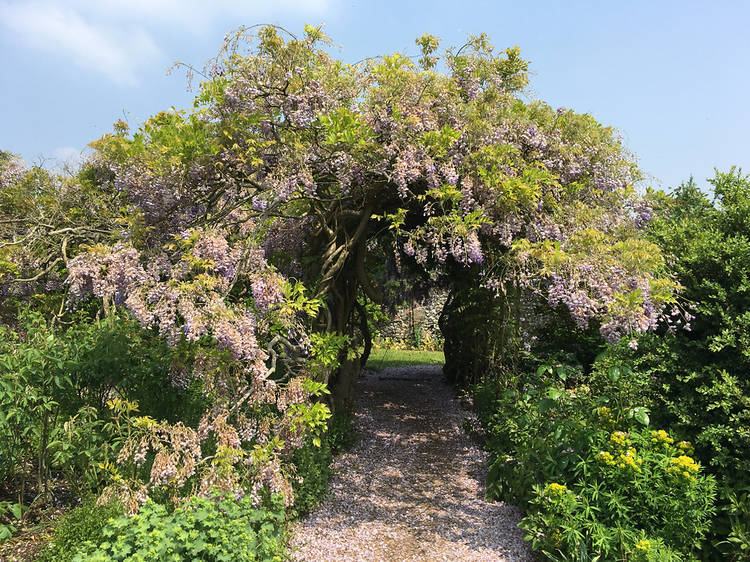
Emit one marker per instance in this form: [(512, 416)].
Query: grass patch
[(384, 358)]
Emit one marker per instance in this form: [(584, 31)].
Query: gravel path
[(413, 486)]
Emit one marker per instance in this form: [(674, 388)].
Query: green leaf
[(543, 369), (640, 414), (546, 404), (17, 509), (6, 531)]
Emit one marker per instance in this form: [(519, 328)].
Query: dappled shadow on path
[(413, 486)]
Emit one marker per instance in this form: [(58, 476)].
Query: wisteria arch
[(247, 228)]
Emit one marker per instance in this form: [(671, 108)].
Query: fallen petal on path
[(412, 488)]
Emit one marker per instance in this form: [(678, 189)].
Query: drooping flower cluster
[(240, 448), (106, 272), (184, 299), (12, 169), (266, 290)]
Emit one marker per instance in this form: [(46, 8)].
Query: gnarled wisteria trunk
[(343, 300)]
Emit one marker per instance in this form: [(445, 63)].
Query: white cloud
[(62, 32), (199, 15), (67, 157), (116, 37)]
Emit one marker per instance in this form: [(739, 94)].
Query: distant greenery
[(384, 358)]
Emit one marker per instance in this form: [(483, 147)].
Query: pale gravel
[(412, 488)]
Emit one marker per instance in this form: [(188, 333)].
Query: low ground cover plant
[(83, 524), (211, 529)]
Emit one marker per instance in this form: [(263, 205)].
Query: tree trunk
[(342, 302), (342, 391), (364, 328), (341, 273)]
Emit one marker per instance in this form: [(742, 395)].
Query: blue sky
[(673, 77)]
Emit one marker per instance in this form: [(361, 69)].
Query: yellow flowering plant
[(639, 493), (597, 480)]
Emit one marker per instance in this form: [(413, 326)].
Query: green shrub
[(703, 372), (84, 523), (116, 353), (538, 424), (34, 384), (735, 506), (313, 466), (632, 487), (553, 431), (700, 376), (312, 463), (217, 529), (340, 435), (54, 384)]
